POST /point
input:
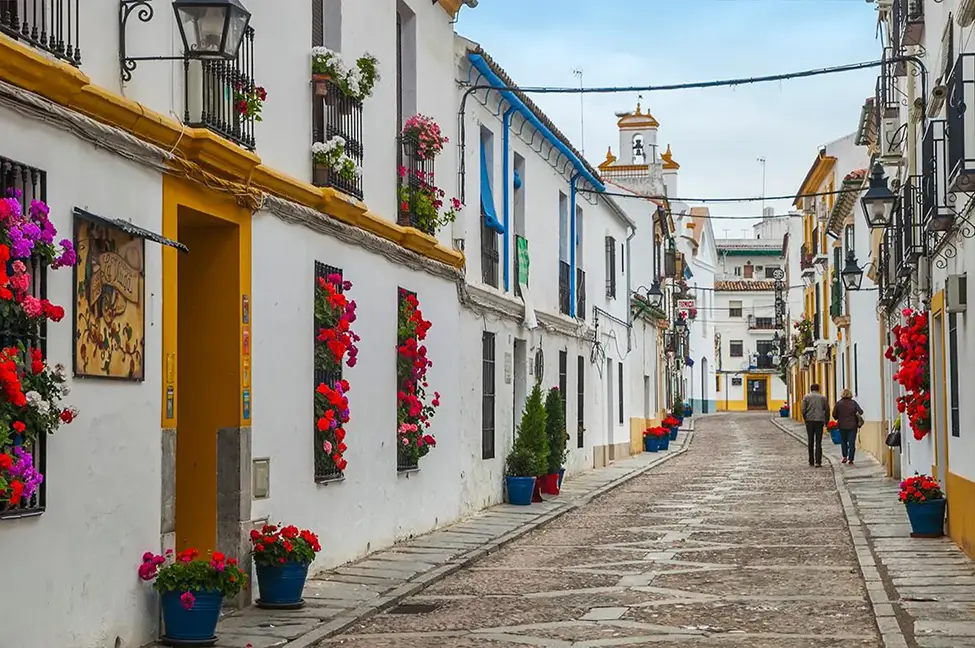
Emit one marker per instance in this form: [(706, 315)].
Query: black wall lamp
[(210, 30)]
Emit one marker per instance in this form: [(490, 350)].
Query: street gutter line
[(345, 621), (884, 616)]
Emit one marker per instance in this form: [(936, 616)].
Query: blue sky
[(716, 134)]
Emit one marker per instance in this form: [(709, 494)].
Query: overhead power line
[(718, 199)]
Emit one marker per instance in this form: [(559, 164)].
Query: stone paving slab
[(926, 587), (339, 598)]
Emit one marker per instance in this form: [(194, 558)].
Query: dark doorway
[(757, 394)]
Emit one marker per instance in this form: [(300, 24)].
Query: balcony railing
[(836, 306), (416, 188), (761, 323), (564, 293), (337, 116), (48, 25), (806, 258), (936, 212), (908, 243), (961, 125), (580, 293), (215, 93), (912, 22)]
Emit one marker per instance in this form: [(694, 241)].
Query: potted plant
[(784, 411), (925, 503), (282, 555), (414, 408), (19, 480), (421, 201), (834, 432), (355, 81), (519, 469), (331, 159), (653, 438), (672, 424), (249, 100), (424, 137), (557, 440), (192, 589)]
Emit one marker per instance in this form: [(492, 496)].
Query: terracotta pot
[(321, 84), (320, 175)]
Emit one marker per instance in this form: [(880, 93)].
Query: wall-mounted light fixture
[(209, 29)]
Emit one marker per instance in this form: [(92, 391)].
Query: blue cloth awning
[(487, 196)]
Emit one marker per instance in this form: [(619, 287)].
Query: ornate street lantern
[(211, 29), (878, 202), (655, 295), (852, 273)]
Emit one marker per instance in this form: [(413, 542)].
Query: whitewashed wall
[(377, 505), (282, 60), (79, 557)]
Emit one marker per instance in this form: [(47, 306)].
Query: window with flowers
[(910, 351), (31, 391), (414, 409), (335, 347)]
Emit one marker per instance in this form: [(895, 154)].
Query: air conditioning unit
[(956, 293), (891, 140), (822, 210)]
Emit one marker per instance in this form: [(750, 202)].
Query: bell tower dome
[(638, 137)]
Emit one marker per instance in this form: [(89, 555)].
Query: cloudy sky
[(717, 135)]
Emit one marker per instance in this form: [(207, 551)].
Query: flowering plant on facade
[(657, 431), (422, 201), (425, 134), (356, 80), (910, 350), (30, 396), (277, 544), (413, 412), (336, 346), (332, 155), (186, 572), (804, 334), (249, 100), (19, 480), (856, 176), (920, 488)]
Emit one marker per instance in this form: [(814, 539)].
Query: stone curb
[(344, 621), (883, 611)]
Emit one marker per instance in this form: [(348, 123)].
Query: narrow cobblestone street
[(735, 542)]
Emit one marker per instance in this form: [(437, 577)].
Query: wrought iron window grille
[(336, 115), (28, 183), (415, 186), (325, 469), (48, 25), (564, 288), (404, 462)]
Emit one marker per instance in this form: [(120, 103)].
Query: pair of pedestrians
[(816, 412)]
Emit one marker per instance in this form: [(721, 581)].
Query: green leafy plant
[(185, 572), (532, 439), (276, 545), (555, 430), (520, 463), (356, 80)]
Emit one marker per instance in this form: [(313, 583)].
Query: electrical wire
[(721, 199)]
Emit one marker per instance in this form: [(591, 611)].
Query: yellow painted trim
[(69, 87), (177, 193), (452, 7), (960, 493), (941, 429), (814, 179)]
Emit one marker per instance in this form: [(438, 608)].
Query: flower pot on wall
[(550, 484), (520, 490), (320, 175), (192, 626), (927, 518), (320, 82), (651, 444), (673, 433), (665, 443), (281, 585)]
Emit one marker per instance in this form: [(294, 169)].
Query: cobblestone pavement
[(922, 590), (338, 598), (737, 542)]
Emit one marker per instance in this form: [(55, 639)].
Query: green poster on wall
[(522, 244)]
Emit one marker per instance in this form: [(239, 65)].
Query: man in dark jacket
[(848, 414), (815, 412)]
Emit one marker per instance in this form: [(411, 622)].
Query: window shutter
[(610, 267), (317, 23)]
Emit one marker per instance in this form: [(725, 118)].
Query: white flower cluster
[(332, 155), (346, 75)]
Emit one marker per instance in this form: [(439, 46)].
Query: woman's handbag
[(860, 421), (893, 439)]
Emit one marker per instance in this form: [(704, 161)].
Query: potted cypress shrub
[(532, 436), (282, 555), (925, 503), (519, 470), (555, 432), (192, 589)]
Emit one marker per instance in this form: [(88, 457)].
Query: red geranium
[(276, 545), (920, 488), (910, 349), (670, 422), (658, 431), (413, 412)]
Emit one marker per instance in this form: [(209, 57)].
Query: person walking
[(815, 412), (849, 418)]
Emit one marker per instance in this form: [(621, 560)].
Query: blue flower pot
[(194, 627), (835, 434), (281, 585), (520, 490), (651, 444), (927, 518), (561, 477), (665, 443), (673, 433)]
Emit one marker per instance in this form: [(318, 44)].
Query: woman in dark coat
[(848, 414)]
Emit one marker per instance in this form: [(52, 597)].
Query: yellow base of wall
[(961, 512), (871, 439), (637, 426)]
